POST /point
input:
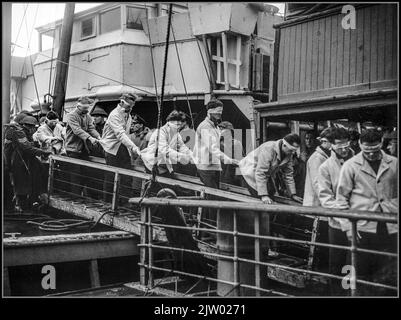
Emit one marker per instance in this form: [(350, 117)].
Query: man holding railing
[(79, 134), (261, 165), (368, 182), (116, 142)]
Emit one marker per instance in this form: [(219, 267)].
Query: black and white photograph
[(200, 150)]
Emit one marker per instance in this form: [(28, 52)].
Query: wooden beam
[(94, 273), (6, 282), (237, 66), (225, 56)]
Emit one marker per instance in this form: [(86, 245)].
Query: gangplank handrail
[(147, 176), (271, 208)]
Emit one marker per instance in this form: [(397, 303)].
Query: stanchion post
[(236, 265), (51, 177), (354, 259), (257, 251), (144, 238), (150, 240), (116, 187)]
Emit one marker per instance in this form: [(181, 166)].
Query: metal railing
[(256, 210), (239, 202)]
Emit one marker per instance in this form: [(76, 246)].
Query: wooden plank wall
[(318, 57)]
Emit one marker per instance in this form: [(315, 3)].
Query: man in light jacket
[(207, 153), (263, 163), (50, 134), (116, 142), (171, 148), (368, 182), (321, 154), (327, 180)]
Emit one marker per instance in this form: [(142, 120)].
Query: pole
[(63, 56), (6, 62)]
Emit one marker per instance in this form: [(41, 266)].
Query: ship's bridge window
[(88, 28), (110, 20), (46, 40), (134, 16)]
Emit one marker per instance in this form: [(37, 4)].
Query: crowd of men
[(340, 169)]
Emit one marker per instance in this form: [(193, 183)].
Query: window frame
[(94, 24), (106, 10), (125, 17)]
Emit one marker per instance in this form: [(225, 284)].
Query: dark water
[(26, 280), (17, 223)]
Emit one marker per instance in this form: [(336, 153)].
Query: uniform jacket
[(116, 131), (264, 162), (44, 136), (327, 181), (21, 159), (207, 153), (79, 128), (312, 166), (172, 149), (359, 188)]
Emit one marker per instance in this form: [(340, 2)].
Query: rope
[(51, 61), (96, 74), (19, 29), (182, 76), (61, 224), (159, 122), (26, 52), (203, 61), (152, 58)]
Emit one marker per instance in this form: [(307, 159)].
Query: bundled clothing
[(45, 137), (263, 163), (312, 166), (141, 140)]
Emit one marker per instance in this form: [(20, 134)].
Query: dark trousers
[(121, 160), (337, 259), (372, 267), (78, 174), (210, 178)]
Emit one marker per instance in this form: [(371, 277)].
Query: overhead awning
[(350, 106)]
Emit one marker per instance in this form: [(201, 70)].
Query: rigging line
[(51, 61), (159, 122), (30, 57), (182, 76), (19, 29), (203, 61), (96, 74), (26, 52), (152, 58)]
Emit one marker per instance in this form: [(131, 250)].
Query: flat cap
[(85, 101), (31, 121), (129, 97), (97, 111)]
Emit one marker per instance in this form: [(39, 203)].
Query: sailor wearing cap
[(99, 116), (115, 140), (28, 176)]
